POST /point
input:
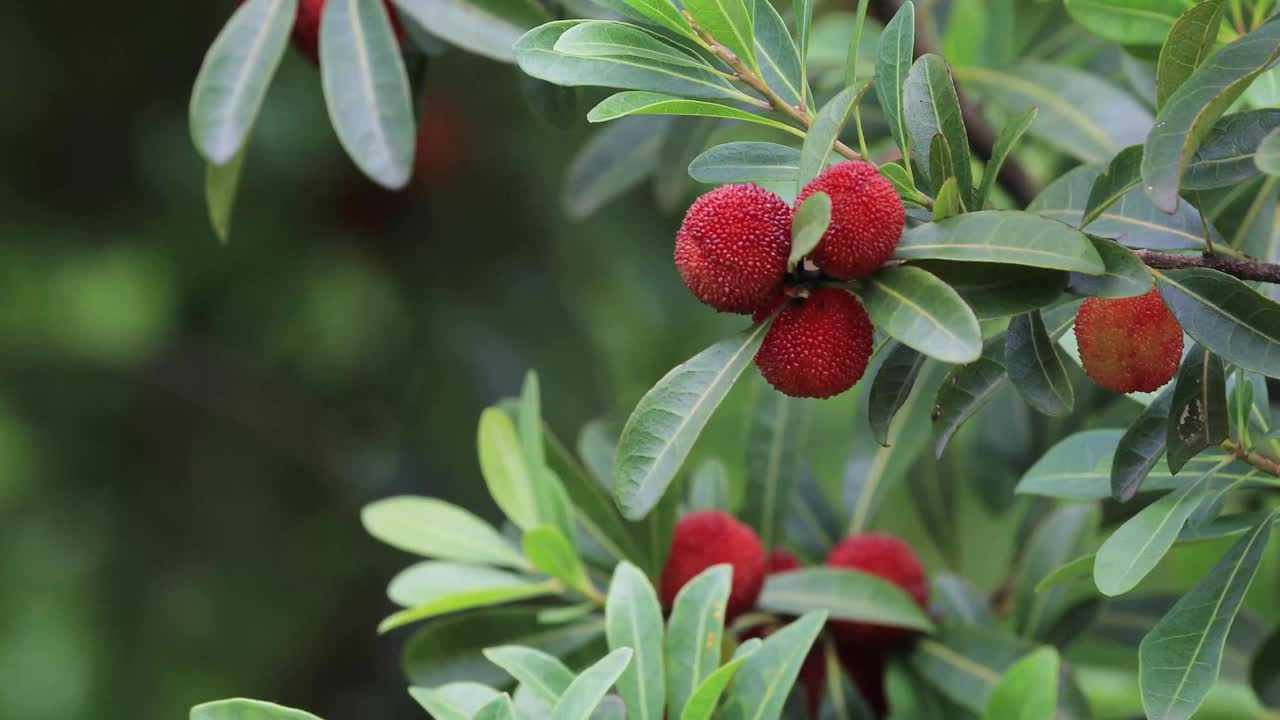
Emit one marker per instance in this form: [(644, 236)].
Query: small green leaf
[(1000, 236), (766, 676), (366, 89), (638, 102), (825, 132), (1268, 156), (948, 203), (1197, 104), (1226, 316), (845, 595), (1140, 447), (551, 554), (454, 701), (695, 634), (633, 619), (1028, 690), (1125, 276), (543, 674), (499, 708), (589, 688), (1190, 41), (1198, 416), (779, 59), (240, 709), (1006, 141), (434, 528), (893, 65), (430, 589), (932, 108), (221, 183), (811, 221), (901, 181), (731, 23), (664, 13), (1036, 367), (1227, 155), (1179, 659), (606, 38), (924, 313), (234, 78), (739, 162), (668, 419), (703, 701), (891, 388), (505, 469), (776, 436), (1122, 175), (485, 27)]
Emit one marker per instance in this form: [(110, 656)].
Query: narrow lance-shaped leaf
[(1198, 415), (1122, 175), (921, 311), (1125, 276), (1226, 316), (845, 595), (499, 708), (1132, 22), (765, 679), (639, 102), (1180, 658), (948, 202), (778, 57), (485, 27), (453, 701), (367, 89), (505, 470), (893, 64), (746, 162), (695, 633), (1036, 367), (891, 388), (811, 221), (1017, 238), (434, 528), (706, 697), (552, 554), (235, 75), (543, 674), (633, 619), (1006, 141), (1228, 154), (775, 443), (932, 108), (824, 133), (1063, 535), (430, 589), (1190, 41), (665, 424), (588, 689), (1140, 447), (1028, 690), (1196, 105), (664, 13)]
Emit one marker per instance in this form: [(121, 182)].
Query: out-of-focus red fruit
[(887, 557), (781, 561), (1129, 344), (711, 537), (867, 219), (306, 27), (732, 248), (817, 347)]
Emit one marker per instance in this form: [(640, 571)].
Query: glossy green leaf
[(694, 635), (811, 221), (704, 699), (639, 102), (499, 708), (731, 23), (668, 419), (825, 132), (1028, 690), (552, 554), (543, 674), (242, 709), (1062, 535), (366, 90), (455, 701), (605, 38), (893, 65), (1006, 141), (766, 676), (633, 619), (932, 108), (1180, 658), (1140, 447), (505, 470), (235, 75), (739, 162), (431, 589), (1196, 105), (709, 488), (1000, 291), (1079, 113), (1227, 154), (1018, 238), (485, 27), (664, 13), (776, 437), (613, 161), (434, 528), (903, 183), (588, 689), (1267, 158), (1198, 413), (1190, 41), (967, 390), (536, 54), (778, 56), (1137, 546), (924, 313), (221, 185), (1122, 175), (529, 421), (1128, 22), (1125, 276), (1036, 367), (940, 165), (1226, 316), (948, 203), (891, 388), (845, 595)]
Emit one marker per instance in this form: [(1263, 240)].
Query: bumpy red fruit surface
[(867, 218), (306, 27), (817, 347), (887, 557), (1129, 344), (732, 247), (711, 537)]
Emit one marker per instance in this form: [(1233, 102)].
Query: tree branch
[(1260, 462), (982, 138), (1242, 269)]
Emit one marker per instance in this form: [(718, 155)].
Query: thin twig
[(1265, 464), (755, 82), (1254, 270)]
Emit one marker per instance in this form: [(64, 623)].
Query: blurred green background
[(188, 430)]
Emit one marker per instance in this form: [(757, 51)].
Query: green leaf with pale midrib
[(1190, 41), (707, 695), (746, 162), (921, 311), (931, 108), (765, 678), (544, 674), (823, 134), (633, 619), (845, 595), (434, 528), (694, 635), (1226, 316), (1036, 367), (639, 102), (1004, 237), (730, 23), (1228, 154), (606, 38), (893, 65)]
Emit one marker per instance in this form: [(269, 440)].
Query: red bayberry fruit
[(1129, 344), (711, 537), (781, 561), (867, 218), (732, 247), (306, 27), (817, 347), (887, 557)]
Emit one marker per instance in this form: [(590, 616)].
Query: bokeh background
[(188, 430)]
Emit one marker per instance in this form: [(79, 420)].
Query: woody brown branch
[(1243, 269), (1258, 461)]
